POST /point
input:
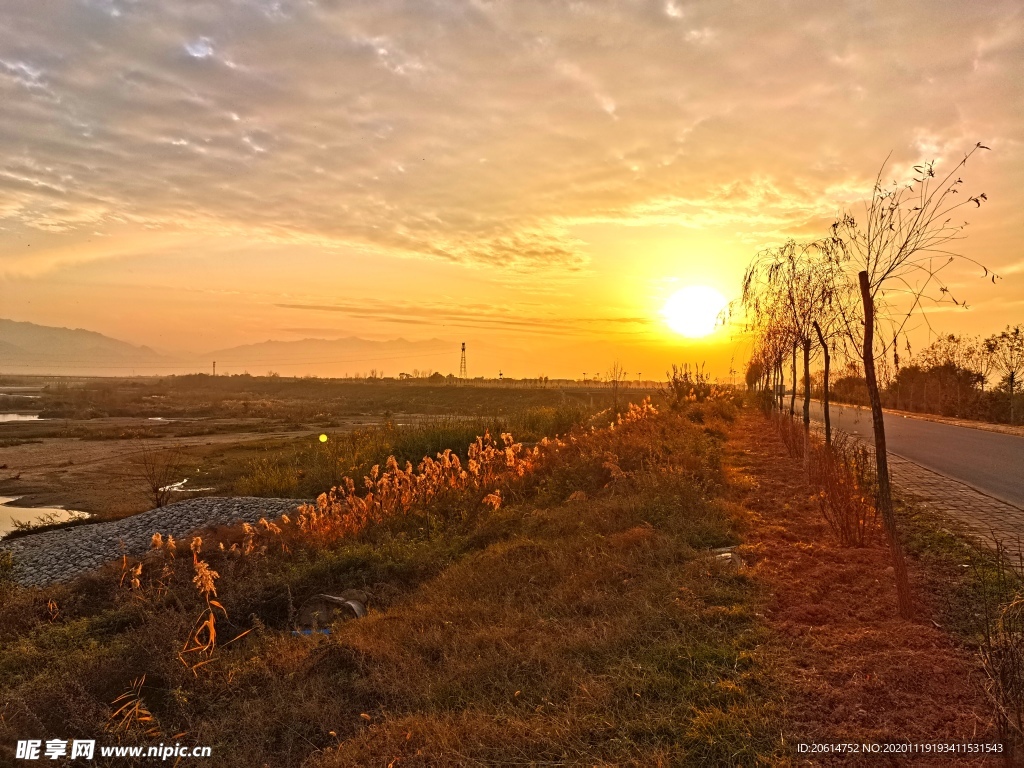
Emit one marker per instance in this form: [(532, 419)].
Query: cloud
[(200, 49), (673, 10), (23, 74), (520, 318), (482, 133)]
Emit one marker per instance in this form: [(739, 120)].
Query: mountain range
[(28, 348)]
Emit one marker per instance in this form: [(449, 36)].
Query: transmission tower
[(462, 364)]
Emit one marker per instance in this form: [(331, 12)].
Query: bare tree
[(901, 247), (616, 375), (158, 469)]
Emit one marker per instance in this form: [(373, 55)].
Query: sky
[(527, 175)]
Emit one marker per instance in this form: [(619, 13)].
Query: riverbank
[(49, 557)]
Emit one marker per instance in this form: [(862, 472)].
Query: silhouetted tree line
[(959, 376)]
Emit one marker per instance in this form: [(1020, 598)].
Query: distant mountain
[(27, 348), (31, 348)]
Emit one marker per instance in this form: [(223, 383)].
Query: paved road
[(992, 462)]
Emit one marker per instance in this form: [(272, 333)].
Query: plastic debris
[(320, 611), (727, 556)]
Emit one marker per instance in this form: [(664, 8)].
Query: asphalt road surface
[(991, 462)]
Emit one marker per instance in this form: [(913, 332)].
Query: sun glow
[(693, 311)]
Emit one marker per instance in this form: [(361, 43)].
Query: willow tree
[(797, 280), (767, 319), (896, 253), (837, 294)]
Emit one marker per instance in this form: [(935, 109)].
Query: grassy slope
[(590, 629), (594, 633)]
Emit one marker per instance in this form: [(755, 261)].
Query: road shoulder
[(856, 671)]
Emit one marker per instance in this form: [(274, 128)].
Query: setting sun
[(693, 311)]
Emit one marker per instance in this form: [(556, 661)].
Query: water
[(9, 513), (19, 417), (179, 487)]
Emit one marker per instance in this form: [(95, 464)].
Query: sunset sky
[(525, 175)]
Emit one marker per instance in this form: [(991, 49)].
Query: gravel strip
[(62, 554)]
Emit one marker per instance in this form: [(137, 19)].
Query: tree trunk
[(778, 385), (885, 507), (1012, 376), (792, 399), (807, 406), (824, 389)]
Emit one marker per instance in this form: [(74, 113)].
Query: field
[(242, 434), (554, 602)]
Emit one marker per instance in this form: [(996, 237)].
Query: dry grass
[(841, 476), (579, 614), (315, 466), (557, 607), (305, 400), (843, 473), (597, 634), (790, 431), (995, 626)]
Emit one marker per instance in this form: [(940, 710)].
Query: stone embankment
[(62, 554)]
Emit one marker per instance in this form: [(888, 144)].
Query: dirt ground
[(100, 476), (857, 672)]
